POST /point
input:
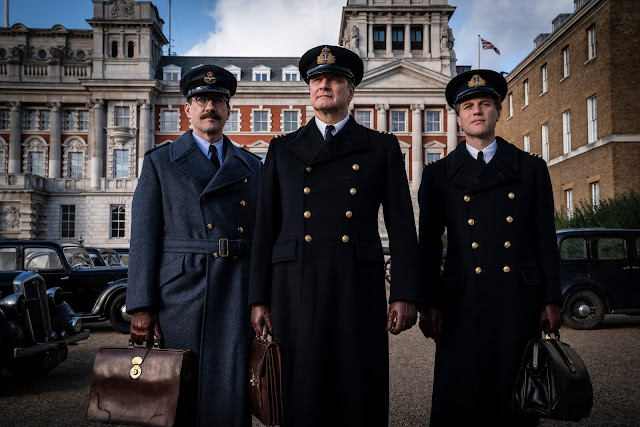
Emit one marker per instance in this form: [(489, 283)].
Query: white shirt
[(322, 125), (488, 152), (204, 145)]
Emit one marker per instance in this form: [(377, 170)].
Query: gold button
[(506, 269), (355, 167), (345, 238), (307, 190), (509, 219), (474, 245), (349, 214), (511, 195), (308, 169), (235, 257), (215, 255), (246, 180), (471, 222), (243, 203), (307, 214), (307, 238), (240, 229), (202, 198), (466, 198), (507, 244), (210, 226), (478, 270), (353, 191)]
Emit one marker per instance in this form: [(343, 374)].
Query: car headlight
[(76, 324), (13, 305), (55, 296)]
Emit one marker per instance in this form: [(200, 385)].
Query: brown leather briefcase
[(141, 386), (266, 382)]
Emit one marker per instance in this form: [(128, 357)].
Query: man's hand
[(261, 320), (551, 313), (402, 316), (144, 325), (431, 323)]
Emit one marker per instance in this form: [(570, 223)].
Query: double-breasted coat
[(318, 262), (189, 260), (501, 269)]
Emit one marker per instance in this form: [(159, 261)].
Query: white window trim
[(406, 121), (441, 124), (8, 119), (569, 200), (294, 110), (261, 69), (592, 119), (235, 70), (364, 110), (291, 69), (545, 141), (74, 144), (545, 79), (525, 87), (433, 147), (566, 64), (174, 70), (510, 105), (237, 110), (526, 143), (566, 132), (35, 144), (4, 148), (161, 118), (595, 193), (269, 119), (591, 42)]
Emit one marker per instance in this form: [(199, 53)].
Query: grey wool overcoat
[(191, 235), (318, 262)]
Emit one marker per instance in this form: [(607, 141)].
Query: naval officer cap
[(331, 59), (208, 79), (474, 83)]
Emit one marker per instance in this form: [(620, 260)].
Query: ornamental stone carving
[(9, 218)]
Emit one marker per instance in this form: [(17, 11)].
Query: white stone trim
[(235, 70), (35, 144), (433, 110), (74, 144), (406, 119), (261, 69), (4, 148), (171, 69), (269, 119), (290, 109), (160, 119), (291, 69), (237, 110)]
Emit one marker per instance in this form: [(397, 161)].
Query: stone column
[(452, 130), (55, 140), (146, 143), (389, 52), (426, 46), (417, 163), (97, 149), (370, 40), (382, 116), (435, 35), (15, 143), (407, 41)]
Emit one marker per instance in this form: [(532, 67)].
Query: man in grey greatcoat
[(193, 218)]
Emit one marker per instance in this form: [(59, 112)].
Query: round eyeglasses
[(202, 101)]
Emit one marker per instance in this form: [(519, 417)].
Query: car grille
[(37, 323)]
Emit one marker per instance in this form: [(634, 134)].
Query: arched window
[(114, 49), (130, 49)]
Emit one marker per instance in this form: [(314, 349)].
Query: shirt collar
[(322, 125), (203, 145), (488, 152)]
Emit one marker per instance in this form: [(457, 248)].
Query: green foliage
[(617, 212)]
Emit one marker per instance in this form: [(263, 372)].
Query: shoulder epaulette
[(384, 132), (535, 155), (282, 134), (432, 163), (166, 144)]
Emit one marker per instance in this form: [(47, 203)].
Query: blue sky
[(290, 27)]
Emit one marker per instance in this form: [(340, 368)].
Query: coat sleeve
[(146, 239), (401, 226), (546, 244), (268, 224), (431, 226)]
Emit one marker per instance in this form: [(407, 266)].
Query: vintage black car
[(105, 257), (95, 293), (36, 326), (600, 274)]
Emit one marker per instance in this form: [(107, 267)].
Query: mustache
[(212, 114)]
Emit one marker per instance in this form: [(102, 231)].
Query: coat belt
[(218, 247)]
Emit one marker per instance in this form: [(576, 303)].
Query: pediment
[(403, 74)]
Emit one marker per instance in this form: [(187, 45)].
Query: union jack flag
[(489, 45)]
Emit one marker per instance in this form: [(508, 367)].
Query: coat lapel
[(186, 155), (234, 168)]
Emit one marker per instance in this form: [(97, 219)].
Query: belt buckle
[(220, 246)]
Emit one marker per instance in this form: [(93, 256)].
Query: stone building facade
[(571, 100), (79, 108)]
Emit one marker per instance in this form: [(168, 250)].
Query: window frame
[(163, 122), (566, 132), (525, 88), (367, 111), (404, 121), (294, 125), (591, 42), (592, 119), (526, 143), (568, 193), (426, 120), (566, 65), (117, 225), (254, 122), (230, 121), (545, 79), (545, 141), (119, 167), (119, 119), (68, 218)]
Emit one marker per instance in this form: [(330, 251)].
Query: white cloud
[(271, 28)]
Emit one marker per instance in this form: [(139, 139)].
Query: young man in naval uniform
[(317, 276), (192, 221), (501, 278)]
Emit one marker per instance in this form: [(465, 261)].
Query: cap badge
[(476, 81), (326, 57), (210, 78)]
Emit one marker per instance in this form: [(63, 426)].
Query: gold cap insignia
[(210, 78), (476, 81), (326, 57)]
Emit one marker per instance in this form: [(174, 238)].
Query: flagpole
[(479, 43)]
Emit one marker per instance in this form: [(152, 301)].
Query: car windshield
[(111, 258), (77, 257)]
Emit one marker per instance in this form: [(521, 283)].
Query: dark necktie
[(481, 158), (328, 132), (214, 156)]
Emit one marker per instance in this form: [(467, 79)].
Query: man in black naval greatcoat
[(501, 278), (317, 275)]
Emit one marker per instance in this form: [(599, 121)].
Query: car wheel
[(583, 310), (387, 270), (119, 319)]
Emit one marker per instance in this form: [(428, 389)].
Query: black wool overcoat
[(318, 262), (182, 208), (501, 268)]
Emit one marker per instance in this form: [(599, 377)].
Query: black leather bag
[(553, 382), (265, 381)]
